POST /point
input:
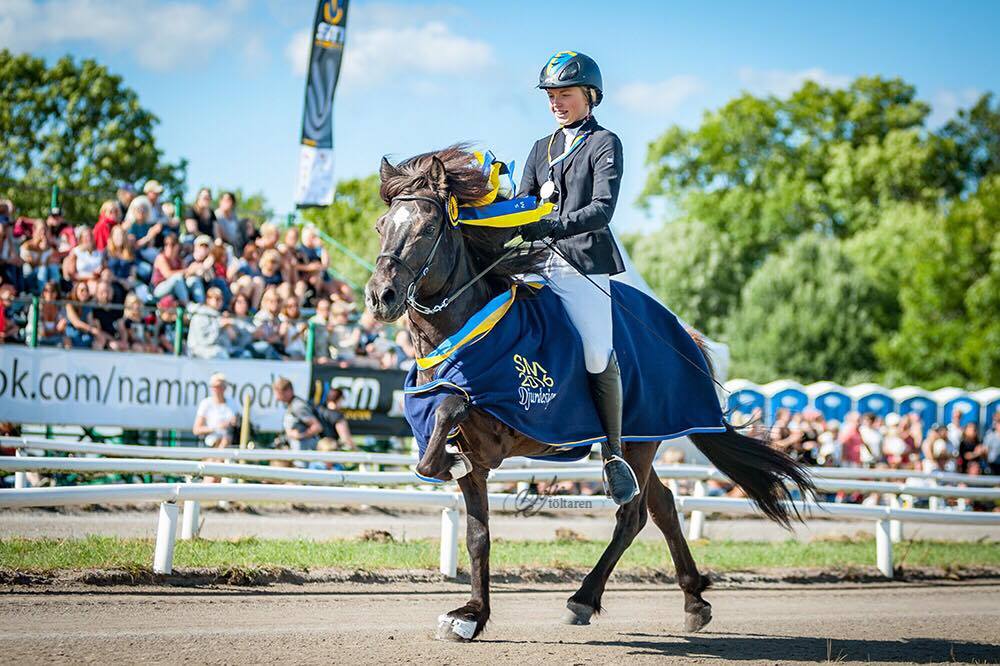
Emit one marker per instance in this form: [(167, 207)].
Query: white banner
[(144, 391), (315, 185)]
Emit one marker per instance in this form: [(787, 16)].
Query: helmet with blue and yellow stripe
[(572, 68)]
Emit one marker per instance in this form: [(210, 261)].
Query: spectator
[(51, 317), (122, 266), (166, 325), (271, 272), (407, 351), (10, 258), (829, 445), (85, 262), (208, 330), (992, 443), (336, 431), (150, 200), (39, 259), (301, 426), (228, 226), (199, 219), (937, 450), (216, 415), (82, 331), (343, 337), (972, 453), (248, 339), (268, 238), (245, 277), (123, 198), (107, 314), (268, 322), (108, 218), (9, 330), (63, 235), (895, 449), (169, 274), (143, 235), (133, 333), (293, 329), (203, 271), (291, 262), (322, 325), (871, 436), (316, 269)]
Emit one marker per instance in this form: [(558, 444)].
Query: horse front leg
[(465, 623)]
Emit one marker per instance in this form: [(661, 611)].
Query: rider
[(579, 167)]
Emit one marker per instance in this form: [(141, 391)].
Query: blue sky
[(226, 77)]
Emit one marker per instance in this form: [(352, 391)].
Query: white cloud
[(946, 103), (782, 83), (381, 47), (660, 97), (158, 35)]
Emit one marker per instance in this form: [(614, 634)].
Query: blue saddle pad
[(528, 371)]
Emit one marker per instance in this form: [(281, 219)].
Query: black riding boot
[(606, 389)]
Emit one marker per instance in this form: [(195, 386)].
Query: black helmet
[(571, 68)]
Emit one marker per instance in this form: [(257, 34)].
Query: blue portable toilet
[(915, 399), (872, 398), (784, 394), (745, 397), (951, 398), (831, 400), (989, 398)]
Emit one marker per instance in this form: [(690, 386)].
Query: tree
[(694, 269), (950, 303), (78, 126), (808, 314), (351, 221), (976, 135)]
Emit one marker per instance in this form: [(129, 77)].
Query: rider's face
[(568, 105)]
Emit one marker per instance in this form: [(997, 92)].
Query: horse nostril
[(387, 296)]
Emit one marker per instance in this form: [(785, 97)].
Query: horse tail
[(762, 472)]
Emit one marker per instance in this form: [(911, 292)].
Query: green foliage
[(950, 304), (806, 314), (697, 270), (351, 221), (909, 295), (77, 126)]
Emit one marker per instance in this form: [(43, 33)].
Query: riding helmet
[(572, 68)]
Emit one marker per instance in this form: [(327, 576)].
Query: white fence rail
[(170, 494)]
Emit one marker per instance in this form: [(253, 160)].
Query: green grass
[(40, 555)]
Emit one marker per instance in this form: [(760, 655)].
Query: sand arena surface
[(394, 624)]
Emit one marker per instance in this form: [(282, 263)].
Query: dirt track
[(394, 624)]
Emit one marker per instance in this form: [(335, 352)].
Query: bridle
[(418, 275)]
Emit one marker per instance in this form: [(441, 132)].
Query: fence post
[(166, 533), (697, 525), (895, 527), (33, 322), (20, 478), (310, 342), (883, 548), (55, 197), (189, 525), (449, 542), (179, 331)]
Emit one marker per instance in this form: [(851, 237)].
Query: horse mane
[(464, 179)]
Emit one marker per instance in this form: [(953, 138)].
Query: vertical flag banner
[(315, 183)]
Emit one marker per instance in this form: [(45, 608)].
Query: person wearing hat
[(216, 414), (579, 168), (123, 198)]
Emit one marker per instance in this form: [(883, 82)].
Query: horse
[(424, 259)]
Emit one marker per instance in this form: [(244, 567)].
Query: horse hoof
[(696, 621), (455, 629), (577, 613)]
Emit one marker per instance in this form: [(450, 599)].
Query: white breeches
[(588, 308)]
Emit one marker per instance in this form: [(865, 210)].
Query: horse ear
[(437, 176), (387, 170)]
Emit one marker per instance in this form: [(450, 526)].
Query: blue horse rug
[(520, 359)]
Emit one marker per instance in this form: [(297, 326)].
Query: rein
[(420, 274)]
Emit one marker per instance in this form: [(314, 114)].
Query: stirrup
[(607, 486)]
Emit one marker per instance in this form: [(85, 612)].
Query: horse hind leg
[(630, 519), (660, 502)]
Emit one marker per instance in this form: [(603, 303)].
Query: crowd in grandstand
[(895, 442), (245, 291)]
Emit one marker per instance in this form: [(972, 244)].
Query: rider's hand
[(546, 227)]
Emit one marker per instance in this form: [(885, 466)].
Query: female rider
[(579, 167)]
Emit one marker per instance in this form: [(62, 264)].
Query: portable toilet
[(915, 399), (951, 398), (744, 396), (872, 398), (989, 398), (784, 394), (832, 400)]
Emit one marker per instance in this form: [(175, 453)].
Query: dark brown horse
[(423, 261)]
